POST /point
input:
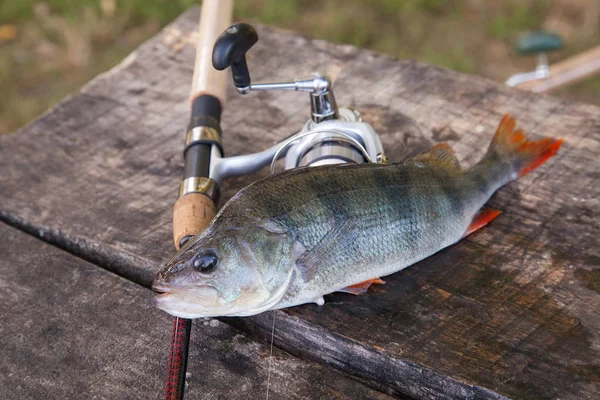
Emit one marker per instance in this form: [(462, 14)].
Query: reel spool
[(340, 141)]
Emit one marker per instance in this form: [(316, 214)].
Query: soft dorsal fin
[(440, 154)]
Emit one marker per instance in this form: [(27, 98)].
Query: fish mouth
[(188, 302), (202, 301), (160, 289)]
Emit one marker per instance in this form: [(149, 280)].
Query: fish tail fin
[(511, 146), (511, 155)]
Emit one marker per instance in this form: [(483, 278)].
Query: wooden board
[(73, 330), (511, 310)]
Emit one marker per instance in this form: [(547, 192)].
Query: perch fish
[(294, 237)]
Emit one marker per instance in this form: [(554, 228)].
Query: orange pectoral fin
[(361, 288), (482, 218)]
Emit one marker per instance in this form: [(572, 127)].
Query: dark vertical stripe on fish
[(449, 186)]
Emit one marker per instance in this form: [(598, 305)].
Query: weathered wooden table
[(512, 310)]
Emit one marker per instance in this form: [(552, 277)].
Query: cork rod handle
[(192, 213)]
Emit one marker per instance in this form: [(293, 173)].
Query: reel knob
[(230, 51)]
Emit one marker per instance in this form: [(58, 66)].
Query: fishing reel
[(333, 135)]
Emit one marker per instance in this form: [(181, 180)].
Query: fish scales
[(390, 209), (293, 237)]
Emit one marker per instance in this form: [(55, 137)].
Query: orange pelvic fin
[(484, 217), (361, 288)]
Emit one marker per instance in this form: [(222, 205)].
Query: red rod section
[(178, 358)]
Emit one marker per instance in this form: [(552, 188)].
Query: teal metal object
[(539, 42)]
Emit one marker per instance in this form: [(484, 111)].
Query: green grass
[(163, 11), (519, 19), (61, 44), (453, 58)]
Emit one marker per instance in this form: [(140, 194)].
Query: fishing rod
[(332, 135), (198, 194)]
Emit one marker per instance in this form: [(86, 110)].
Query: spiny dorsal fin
[(440, 154)]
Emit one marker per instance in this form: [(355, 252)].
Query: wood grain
[(510, 311), (73, 330)]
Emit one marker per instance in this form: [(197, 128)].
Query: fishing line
[(270, 356)]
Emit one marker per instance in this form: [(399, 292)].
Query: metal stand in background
[(550, 77), (538, 43)]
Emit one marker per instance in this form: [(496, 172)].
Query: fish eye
[(205, 262)]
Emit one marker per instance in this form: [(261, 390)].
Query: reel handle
[(230, 51)]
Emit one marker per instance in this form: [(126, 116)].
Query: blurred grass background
[(50, 48)]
